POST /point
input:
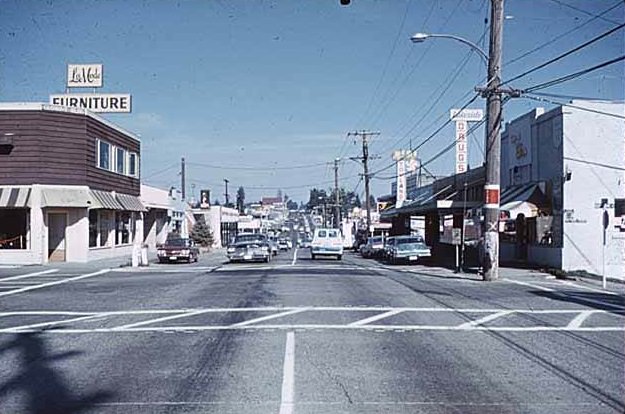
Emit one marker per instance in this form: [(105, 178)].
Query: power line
[(154, 174), (565, 54), (582, 11), (572, 75), (581, 108), (224, 167), (564, 34), (598, 164)]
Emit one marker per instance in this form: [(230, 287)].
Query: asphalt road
[(304, 336)]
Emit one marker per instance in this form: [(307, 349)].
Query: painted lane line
[(579, 319), (294, 257), (546, 289), (605, 292), (58, 282), (377, 317), (57, 322), (163, 319), (302, 308), (288, 375), (565, 295), (471, 324), (303, 327), (269, 317), (43, 272)]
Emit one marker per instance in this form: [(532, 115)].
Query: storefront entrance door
[(57, 223)]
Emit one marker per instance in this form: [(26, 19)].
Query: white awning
[(65, 197)]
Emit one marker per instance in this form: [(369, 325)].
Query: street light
[(422, 37), (492, 92)]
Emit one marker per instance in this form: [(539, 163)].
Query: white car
[(327, 242)]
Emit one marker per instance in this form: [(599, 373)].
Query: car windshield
[(410, 240), (376, 240), (249, 238), (177, 242), (322, 233)]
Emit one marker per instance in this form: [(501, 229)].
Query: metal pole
[(490, 260), (365, 158), (226, 194), (464, 213), (337, 208), (182, 178)]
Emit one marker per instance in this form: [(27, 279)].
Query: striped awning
[(130, 203), (16, 197), (104, 200)]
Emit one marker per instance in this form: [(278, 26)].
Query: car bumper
[(248, 257), (330, 251), (411, 255)]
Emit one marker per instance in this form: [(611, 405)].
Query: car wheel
[(339, 257), (266, 260), (312, 256)]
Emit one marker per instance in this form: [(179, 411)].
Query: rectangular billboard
[(84, 76), (108, 102)]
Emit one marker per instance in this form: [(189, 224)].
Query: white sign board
[(84, 76), (461, 147), (401, 182), (468, 115), (110, 102)]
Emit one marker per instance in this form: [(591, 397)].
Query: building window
[(132, 164), (14, 226), (120, 160), (123, 226), (104, 155)]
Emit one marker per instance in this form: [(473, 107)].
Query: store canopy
[(526, 199), (104, 200), (65, 197), (15, 197), (130, 203)]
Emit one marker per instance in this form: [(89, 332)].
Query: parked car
[(176, 250), (327, 242), (373, 248), (249, 248), (406, 248)]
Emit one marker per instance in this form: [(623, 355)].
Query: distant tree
[(241, 199), (291, 205), (216, 202), (202, 234), (317, 198)]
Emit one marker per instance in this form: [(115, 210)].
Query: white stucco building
[(562, 169)]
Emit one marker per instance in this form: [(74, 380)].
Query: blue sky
[(270, 85)]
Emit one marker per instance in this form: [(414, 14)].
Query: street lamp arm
[(420, 37)]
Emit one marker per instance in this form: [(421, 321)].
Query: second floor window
[(132, 164), (120, 161), (104, 155)]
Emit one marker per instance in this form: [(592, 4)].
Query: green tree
[(202, 234), (241, 199)]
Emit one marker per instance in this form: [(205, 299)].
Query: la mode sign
[(84, 76)]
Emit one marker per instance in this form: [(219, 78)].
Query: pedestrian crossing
[(357, 318), (12, 285)]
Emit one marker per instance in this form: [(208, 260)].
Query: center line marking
[(288, 375)]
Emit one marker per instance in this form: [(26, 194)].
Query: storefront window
[(14, 228), (104, 227), (93, 228), (123, 227)]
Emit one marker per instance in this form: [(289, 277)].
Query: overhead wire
[(563, 34), (570, 6), (268, 168), (565, 54), (581, 108)]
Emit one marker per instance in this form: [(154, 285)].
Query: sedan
[(406, 248)]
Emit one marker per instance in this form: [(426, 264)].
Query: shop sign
[(94, 102), (461, 146), (467, 115), (84, 76)]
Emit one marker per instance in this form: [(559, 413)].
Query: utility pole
[(490, 259), (337, 207), (226, 193), (365, 157), (183, 178)]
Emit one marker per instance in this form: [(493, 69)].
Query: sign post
[(456, 239)]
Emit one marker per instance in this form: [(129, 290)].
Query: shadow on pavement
[(612, 303), (46, 391)]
